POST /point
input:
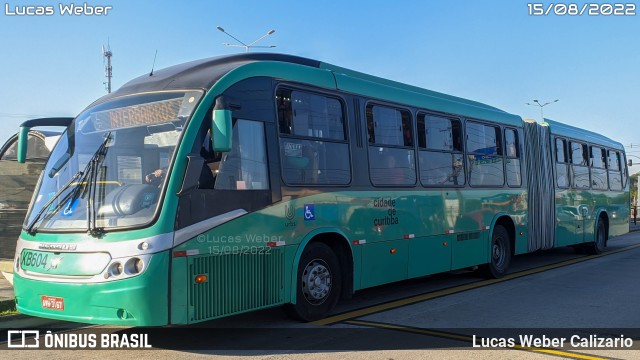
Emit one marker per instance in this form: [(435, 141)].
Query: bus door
[(581, 223), (584, 228)]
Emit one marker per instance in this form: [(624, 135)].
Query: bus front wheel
[(597, 247), (318, 283), (500, 253)]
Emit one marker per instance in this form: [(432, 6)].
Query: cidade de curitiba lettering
[(390, 217), (70, 9)]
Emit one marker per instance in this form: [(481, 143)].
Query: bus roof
[(199, 74), (204, 73), (569, 131), (388, 90)]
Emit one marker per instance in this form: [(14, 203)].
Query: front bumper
[(136, 301)]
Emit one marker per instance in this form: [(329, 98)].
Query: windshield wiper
[(31, 228), (84, 178), (95, 162)]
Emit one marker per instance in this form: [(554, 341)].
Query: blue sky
[(488, 51)]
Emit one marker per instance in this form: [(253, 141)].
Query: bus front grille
[(235, 283)]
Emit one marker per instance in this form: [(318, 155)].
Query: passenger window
[(598, 159), (245, 166), (561, 145), (512, 161), (314, 162), (484, 149), (625, 173), (598, 171), (578, 154), (580, 170), (562, 168), (313, 147), (388, 126), (511, 143), (614, 160), (391, 166), (391, 153), (440, 151), (439, 133), (307, 114), (615, 175), (483, 139)]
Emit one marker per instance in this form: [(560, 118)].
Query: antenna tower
[(106, 61)]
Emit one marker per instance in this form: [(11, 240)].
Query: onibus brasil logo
[(31, 339)]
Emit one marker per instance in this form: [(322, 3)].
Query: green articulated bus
[(244, 182)]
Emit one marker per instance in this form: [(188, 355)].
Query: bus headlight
[(134, 266), (115, 269), (126, 267)]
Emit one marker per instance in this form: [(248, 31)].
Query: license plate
[(52, 302)]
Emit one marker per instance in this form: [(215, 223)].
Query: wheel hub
[(316, 281)]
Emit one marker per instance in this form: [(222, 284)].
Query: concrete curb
[(20, 321), (6, 266)]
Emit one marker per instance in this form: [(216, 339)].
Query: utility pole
[(245, 46), (537, 103), (106, 61)]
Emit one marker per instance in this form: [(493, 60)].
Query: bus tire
[(598, 245), (318, 284), (500, 253)]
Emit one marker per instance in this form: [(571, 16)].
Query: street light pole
[(249, 46), (537, 103)]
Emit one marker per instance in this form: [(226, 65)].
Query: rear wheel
[(597, 247), (500, 253), (318, 285)]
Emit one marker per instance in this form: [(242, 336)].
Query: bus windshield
[(109, 168)]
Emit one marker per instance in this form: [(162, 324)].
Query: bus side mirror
[(221, 130), (630, 163), (23, 134)]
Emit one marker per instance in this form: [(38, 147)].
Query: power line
[(22, 115)]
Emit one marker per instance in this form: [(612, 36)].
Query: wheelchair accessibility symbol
[(309, 212), (70, 207)]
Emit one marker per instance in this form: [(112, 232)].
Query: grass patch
[(9, 312), (8, 307)]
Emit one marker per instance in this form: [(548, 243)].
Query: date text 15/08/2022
[(588, 9)]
